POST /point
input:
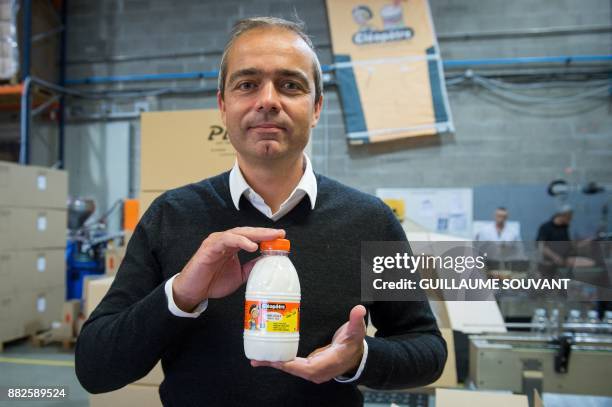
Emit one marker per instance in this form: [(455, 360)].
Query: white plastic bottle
[(272, 305)]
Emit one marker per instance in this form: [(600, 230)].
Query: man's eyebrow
[(292, 74), (244, 72)]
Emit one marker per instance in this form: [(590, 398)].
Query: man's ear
[(221, 104), (317, 111)]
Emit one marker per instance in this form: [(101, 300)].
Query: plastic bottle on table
[(593, 318), (608, 321), (553, 322), (539, 321), (573, 317), (272, 305)]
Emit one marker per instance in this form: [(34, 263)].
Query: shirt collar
[(308, 184)]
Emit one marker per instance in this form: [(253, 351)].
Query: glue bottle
[(272, 305)]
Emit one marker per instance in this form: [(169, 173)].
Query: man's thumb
[(356, 325)]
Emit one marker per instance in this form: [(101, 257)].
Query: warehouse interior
[(502, 120)]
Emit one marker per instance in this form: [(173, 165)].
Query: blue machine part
[(79, 265)]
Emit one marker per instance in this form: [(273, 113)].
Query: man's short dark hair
[(248, 24)]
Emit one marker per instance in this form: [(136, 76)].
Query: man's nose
[(268, 99)]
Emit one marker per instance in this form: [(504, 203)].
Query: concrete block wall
[(494, 143)]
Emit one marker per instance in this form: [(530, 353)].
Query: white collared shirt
[(238, 188), (306, 186), (489, 233)]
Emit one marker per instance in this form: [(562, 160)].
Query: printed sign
[(388, 69)]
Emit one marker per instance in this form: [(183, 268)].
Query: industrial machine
[(577, 360), (86, 243)]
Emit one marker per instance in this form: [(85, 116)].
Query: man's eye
[(291, 86), (246, 85)]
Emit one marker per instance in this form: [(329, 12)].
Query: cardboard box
[(470, 317), (70, 315), (449, 374), (32, 187), (466, 398), (127, 235), (39, 308), (79, 324), (95, 290), (154, 378), (32, 269), (9, 324), (113, 257), (128, 396), (32, 228), (181, 147)]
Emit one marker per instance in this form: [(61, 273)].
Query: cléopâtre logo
[(394, 28)]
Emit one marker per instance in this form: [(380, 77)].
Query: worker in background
[(556, 230), (502, 243), (179, 294), (556, 247), (498, 231)]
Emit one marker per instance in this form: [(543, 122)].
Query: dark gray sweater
[(203, 358)]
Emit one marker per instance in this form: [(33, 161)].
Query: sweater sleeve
[(127, 333), (408, 349)]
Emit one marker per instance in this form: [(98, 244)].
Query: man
[(501, 243), (179, 293), (556, 230), (498, 231)]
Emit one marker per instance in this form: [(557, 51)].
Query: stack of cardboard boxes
[(32, 246)]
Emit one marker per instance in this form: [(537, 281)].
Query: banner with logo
[(388, 69)]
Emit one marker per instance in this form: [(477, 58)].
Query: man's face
[(566, 218), (500, 217), (269, 102)]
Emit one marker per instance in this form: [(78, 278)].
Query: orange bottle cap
[(277, 244)]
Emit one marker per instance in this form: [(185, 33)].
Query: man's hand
[(214, 271), (340, 357)]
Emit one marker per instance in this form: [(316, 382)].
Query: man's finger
[(259, 234), (229, 242), (356, 324)]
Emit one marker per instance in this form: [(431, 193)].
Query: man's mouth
[(267, 126)]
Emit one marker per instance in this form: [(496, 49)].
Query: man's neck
[(274, 182)]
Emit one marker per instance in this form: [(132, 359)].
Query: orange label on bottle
[(277, 316)]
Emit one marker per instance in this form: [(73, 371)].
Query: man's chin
[(269, 149)]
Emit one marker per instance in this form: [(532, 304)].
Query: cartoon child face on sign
[(392, 15), (362, 15)]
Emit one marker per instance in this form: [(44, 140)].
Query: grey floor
[(15, 371)]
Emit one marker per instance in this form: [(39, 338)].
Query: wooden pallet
[(52, 337)]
